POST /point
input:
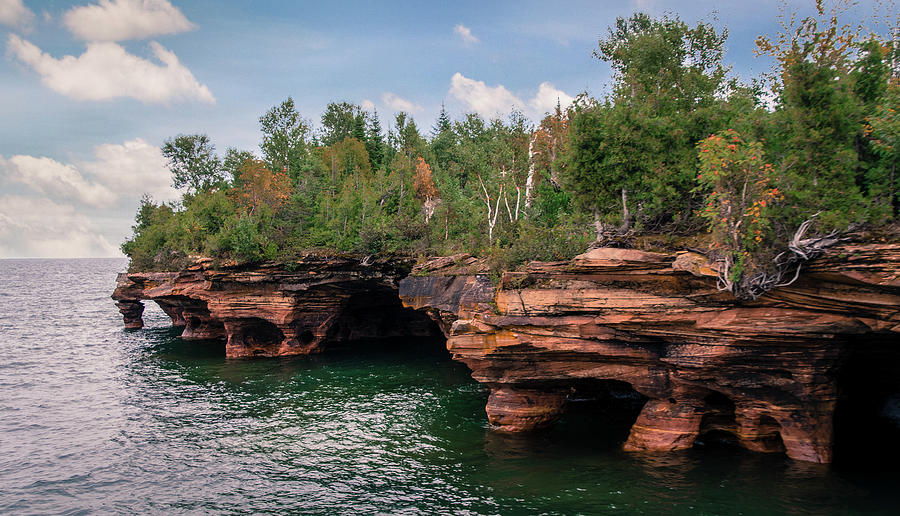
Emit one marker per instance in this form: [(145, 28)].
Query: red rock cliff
[(654, 326), (763, 372), (271, 311)]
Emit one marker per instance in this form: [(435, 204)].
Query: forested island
[(678, 148), (710, 259)]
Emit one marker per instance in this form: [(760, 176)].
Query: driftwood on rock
[(787, 264)]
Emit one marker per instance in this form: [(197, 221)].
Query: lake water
[(98, 419)]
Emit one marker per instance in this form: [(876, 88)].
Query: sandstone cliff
[(272, 311), (612, 323), (764, 372)]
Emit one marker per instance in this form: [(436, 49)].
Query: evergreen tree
[(818, 119), (443, 141), (442, 124), (636, 150), (374, 140)]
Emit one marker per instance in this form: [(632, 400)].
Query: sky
[(90, 89)]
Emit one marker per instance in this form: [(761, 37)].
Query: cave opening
[(718, 426), (376, 320), (260, 336), (603, 410), (867, 413), (769, 436)]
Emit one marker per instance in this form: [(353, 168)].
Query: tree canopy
[(677, 148)]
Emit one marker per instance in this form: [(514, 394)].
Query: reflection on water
[(95, 418)]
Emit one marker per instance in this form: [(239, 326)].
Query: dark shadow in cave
[(260, 335), (717, 426), (867, 415), (602, 410), (376, 320)]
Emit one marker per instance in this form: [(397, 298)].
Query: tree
[(423, 183), (819, 117), (258, 186), (637, 147), (374, 141), (342, 120), (193, 162), (883, 128), (285, 133), (740, 198), (347, 158), (234, 160), (442, 123)]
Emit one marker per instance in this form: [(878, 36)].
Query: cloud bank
[(55, 179), (41, 228), (119, 20), (107, 71), (53, 221), (13, 13)]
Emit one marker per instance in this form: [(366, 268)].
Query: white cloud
[(547, 98), (107, 71), (118, 20), (132, 169), (481, 98), (466, 34), (487, 101), (399, 103), (41, 228), (117, 172), (367, 105), (13, 13), (55, 179)]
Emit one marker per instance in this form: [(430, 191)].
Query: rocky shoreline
[(616, 324)]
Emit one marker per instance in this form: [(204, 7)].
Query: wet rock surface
[(760, 374)]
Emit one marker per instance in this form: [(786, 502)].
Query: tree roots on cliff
[(785, 267)]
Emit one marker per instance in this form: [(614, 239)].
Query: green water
[(97, 419)]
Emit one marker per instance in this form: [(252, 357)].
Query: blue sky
[(91, 88)]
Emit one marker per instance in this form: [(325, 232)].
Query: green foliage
[(342, 120), (193, 162), (234, 160), (534, 242), (740, 197), (637, 147), (511, 192), (284, 139), (374, 141)]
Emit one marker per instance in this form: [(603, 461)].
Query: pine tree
[(442, 124), (374, 141)]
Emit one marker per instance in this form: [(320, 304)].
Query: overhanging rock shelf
[(767, 373)]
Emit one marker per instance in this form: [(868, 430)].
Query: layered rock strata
[(273, 311), (762, 373), (611, 324)]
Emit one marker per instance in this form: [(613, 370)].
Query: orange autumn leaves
[(423, 182), (741, 190), (256, 186)]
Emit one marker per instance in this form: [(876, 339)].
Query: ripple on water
[(97, 419)]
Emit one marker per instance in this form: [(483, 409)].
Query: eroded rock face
[(270, 311), (762, 373), (699, 365)]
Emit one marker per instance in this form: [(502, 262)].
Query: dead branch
[(787, 264)]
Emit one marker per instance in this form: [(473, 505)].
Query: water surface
[(98, 419)]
